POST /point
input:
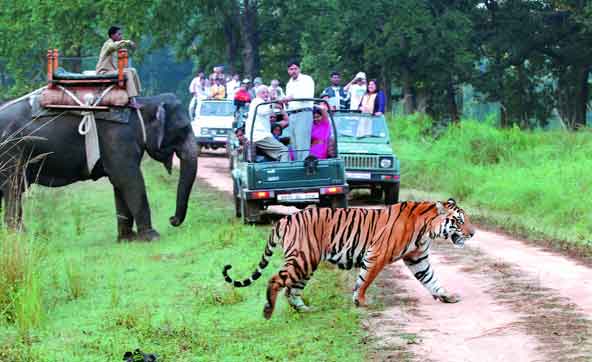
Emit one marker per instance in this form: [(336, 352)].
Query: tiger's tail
[(271, 244)]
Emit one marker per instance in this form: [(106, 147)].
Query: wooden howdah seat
[(87, 88)]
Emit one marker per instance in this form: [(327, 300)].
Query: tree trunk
[(231, 34), (386, 87), (451, 102), (250, 37), (573, 93), (409, 105)]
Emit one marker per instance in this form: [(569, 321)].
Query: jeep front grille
[(360, 162)]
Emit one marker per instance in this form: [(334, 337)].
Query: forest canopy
[(532, 57)]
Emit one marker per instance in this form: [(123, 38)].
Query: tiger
[(363, 238)]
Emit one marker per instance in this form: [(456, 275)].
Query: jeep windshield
[(213, 108), (356, 126)]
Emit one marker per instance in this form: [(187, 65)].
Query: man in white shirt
[(198, 88), (356, 90), (261, 127), (232, 86), (299, 86)]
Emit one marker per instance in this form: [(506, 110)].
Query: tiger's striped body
[(367, 239)]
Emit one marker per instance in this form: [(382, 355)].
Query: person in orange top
[(217, 90)]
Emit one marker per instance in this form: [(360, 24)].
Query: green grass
[(537, 183), (80, 296)]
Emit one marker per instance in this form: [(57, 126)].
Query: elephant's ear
[(156, 129)]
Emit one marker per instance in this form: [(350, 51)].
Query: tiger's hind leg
[(368, 273), (275, 285), (294, 295)]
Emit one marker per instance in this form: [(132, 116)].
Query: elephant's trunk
[(188, 156)]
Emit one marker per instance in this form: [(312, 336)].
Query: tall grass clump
[(21, 301), (537, 182)]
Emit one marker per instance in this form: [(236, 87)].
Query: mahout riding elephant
[(54, 142)]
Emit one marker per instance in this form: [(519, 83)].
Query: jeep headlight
[(386, 162), (205, 131)]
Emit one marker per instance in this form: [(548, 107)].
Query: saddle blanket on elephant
[(87, 127), (69, 89)]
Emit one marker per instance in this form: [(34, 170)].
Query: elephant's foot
[(127, 236), (148, 235)]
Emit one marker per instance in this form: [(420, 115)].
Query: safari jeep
[(213, 123), (365, 146), (260, 182)]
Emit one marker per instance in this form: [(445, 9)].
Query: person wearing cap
[(356, 90), (218, 73), (338, 98), (258, 127), (299, 86)]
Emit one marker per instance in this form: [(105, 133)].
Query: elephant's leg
[(132, 188), (125, 219)]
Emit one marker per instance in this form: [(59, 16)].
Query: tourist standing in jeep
[(299, 86), (338, 97)]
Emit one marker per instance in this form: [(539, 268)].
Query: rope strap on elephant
[(88, 127)]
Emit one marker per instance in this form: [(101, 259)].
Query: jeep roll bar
[(251, 149)]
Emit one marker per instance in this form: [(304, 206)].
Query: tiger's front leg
[(423, 271)]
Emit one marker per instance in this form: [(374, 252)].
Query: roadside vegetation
[(69, 292), (537, 183)]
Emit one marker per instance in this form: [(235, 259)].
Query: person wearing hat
[(356, 90)]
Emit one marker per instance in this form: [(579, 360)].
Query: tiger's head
[(455, 225)]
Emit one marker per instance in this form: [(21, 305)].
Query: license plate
[(222, 139), (358, 175), (298, 196)]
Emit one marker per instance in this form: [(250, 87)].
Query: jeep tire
[(251, 211), (391, 193)]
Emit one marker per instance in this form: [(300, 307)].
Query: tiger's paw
[(360, 303), (447, 298), (304, 309), (267, 311)]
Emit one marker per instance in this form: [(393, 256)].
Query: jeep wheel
[(339, 202), (391, 193), (237, 200), (250, 211)]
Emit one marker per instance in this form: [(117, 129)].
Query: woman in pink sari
[(320, 136)]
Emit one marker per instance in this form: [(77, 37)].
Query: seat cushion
[(62, 74)]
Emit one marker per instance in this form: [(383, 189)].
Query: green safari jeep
[(260, 182), (365, 146)]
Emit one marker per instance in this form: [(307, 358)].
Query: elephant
[(59, 151)]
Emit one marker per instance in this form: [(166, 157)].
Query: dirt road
[(520, 302)]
